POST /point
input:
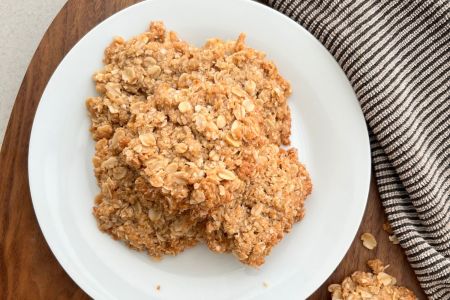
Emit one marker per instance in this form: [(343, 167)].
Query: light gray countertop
[(23, 23)]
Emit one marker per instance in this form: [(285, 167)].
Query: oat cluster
[(188, 147), (370, 285)]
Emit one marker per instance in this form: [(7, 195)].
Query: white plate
[(328, 129)]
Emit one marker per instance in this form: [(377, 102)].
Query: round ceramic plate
[(327, 127)]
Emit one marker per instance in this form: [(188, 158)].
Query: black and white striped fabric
[(396, 54)]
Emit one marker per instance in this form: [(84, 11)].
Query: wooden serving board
[(28, 269)]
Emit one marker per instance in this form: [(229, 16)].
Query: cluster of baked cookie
[(188, 147)]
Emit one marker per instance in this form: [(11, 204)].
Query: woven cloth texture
[(396, 55)]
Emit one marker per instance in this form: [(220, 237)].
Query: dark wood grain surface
[(28, 269)]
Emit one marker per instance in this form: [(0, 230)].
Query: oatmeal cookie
[(187, 147)]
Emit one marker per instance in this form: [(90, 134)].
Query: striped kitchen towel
[(396, 54)]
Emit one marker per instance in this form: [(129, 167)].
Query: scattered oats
[(265, 284), (147, 139), (235, 129), (149, 61), (226, 175), (221, 122), (337, 295), (238, 92), (138, 148), (181, 147), (128, 75), (158, 287), (198, 108), (248, 105), (156, 181), (110, 163), (154, 215), (113, 91), (386, 279), (119, 173), (394, 239), (257, 209), (250, 87), (171, 168), (333, 287), (200, 123), (232, 141), (118, 40), (221, 190), (239, 112), (368, 241), (197, 197), (154, 71), (112, 109), (104, 131), (184, 106)]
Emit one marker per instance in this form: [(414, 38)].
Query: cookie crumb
[(158, 287), (376, 266), (387, 227), (366, 285), (368, 241), (156, 258), (394, 240), (265, 284)]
